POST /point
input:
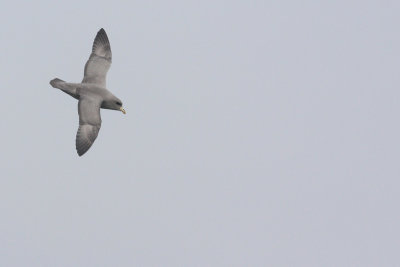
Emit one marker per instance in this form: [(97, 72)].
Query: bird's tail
[(69, 88), (57, 83)]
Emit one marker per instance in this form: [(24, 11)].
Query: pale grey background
[(258, 133)]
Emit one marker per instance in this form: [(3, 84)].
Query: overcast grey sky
[(258, 133)]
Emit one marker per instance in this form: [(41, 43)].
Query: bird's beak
[(123, 110)]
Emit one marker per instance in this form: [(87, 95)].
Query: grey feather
[(89, 123), (99, 62)]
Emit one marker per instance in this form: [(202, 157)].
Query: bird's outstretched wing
[(89, 123), (99, 61)]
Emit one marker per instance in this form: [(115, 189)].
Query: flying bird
[(92, 93)]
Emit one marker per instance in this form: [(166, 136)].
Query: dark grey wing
[(89, 123), (99, 62)]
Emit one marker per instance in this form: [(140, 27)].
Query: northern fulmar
[(92, 93)]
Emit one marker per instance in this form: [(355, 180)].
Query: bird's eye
[(119, 103)]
